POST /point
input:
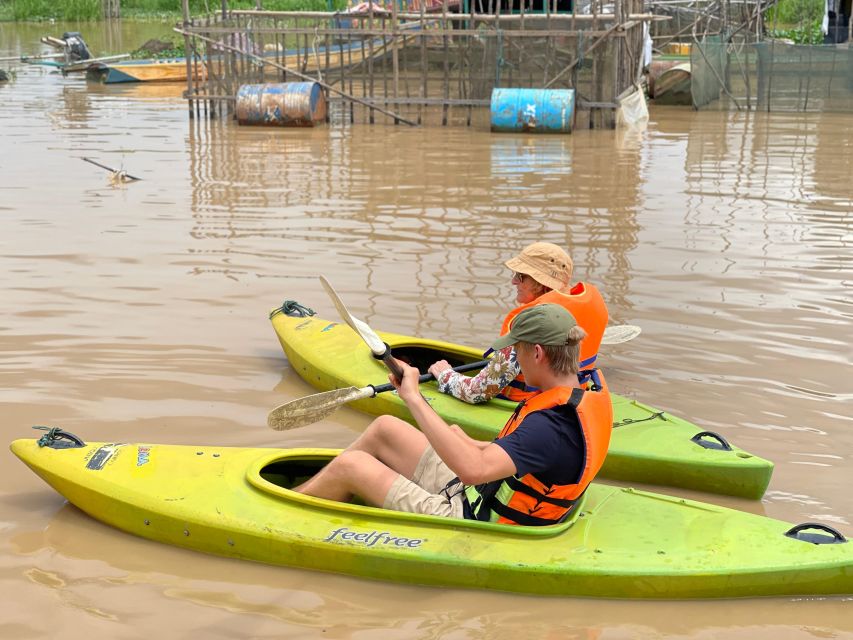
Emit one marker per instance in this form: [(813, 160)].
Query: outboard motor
[(76, 48)]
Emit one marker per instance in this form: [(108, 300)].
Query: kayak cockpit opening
[(422, 357), (277, 474), (289, 473)]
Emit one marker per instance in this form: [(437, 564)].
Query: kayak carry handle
[(293, 309), (56, 438), (721, 442), (815, 538)]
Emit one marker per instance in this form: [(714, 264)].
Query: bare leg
[(351, 473), (368, 467), (394, 442)]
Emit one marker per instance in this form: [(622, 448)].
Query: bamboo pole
[(406, 15), (395, 60), (370, 53), (446, 82), (185, 10), (589, 50), (424, 67), (326, 86)]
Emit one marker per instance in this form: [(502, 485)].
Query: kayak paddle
[(619, 333), (310, 409), (381, 351)]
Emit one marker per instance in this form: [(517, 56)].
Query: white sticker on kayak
[(373, 538), (100, 457)]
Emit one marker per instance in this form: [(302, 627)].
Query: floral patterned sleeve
[(501, 370)]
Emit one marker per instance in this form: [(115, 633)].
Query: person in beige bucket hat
[(541, 273), (546, 263)]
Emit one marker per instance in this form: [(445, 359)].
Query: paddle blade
[(617, 334), (367, 334), (310, 409)]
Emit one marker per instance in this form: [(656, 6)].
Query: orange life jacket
[(527, 500), (585, 303)]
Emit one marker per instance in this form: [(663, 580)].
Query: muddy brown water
[(138, 312)]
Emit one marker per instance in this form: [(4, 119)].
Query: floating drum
[(533, 110), (284, 104)]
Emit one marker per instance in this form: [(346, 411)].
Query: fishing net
[(771, 75)]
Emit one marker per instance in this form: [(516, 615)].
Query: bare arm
[(459, 432), (473, 461)]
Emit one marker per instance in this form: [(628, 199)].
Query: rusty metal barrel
[(282, 104), (533, 110)]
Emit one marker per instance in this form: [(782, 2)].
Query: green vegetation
[(148, 8), (160, 49), (75, 10), (808, 34), (45, 9), (796, 20)]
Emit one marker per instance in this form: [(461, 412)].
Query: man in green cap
[(531, 474)]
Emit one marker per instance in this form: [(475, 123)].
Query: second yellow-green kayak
[(648, 445)]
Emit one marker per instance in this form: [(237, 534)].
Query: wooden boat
[(647, 445), (175, 69), (618, 542), (146, 70)]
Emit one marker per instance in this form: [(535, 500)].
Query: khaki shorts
[(425, 492)]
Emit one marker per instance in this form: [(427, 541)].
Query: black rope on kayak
[(55, 434), (654, 416), (293, 309)]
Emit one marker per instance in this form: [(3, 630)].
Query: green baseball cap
[(545, 324)]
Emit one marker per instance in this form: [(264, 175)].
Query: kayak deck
[(647, 445), (619, 543)]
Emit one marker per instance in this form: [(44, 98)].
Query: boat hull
[(647, 445), (175, 70), (671, 85), (620, 543)]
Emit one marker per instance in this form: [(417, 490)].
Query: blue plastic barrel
[(283, 104), (533, 110)]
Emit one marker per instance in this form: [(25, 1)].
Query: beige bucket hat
[(546, 263)]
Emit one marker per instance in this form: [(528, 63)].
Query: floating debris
[(118, 175)]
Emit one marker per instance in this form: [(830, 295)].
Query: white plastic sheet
[(633, 111)]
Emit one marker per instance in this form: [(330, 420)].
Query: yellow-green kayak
[(648, 445), (618, 543)]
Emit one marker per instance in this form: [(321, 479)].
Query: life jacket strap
[(517, 485), (590, 374), (583, 364), (522, 518)]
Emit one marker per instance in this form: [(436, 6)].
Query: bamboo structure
[(111, 9), (735, 64), (417, 67), (692, 20)]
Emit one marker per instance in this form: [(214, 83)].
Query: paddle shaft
[(394, 367), (426, 377), (309, 409)]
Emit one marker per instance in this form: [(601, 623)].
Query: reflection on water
[(515, 156), (369, 197), (138, 313)]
